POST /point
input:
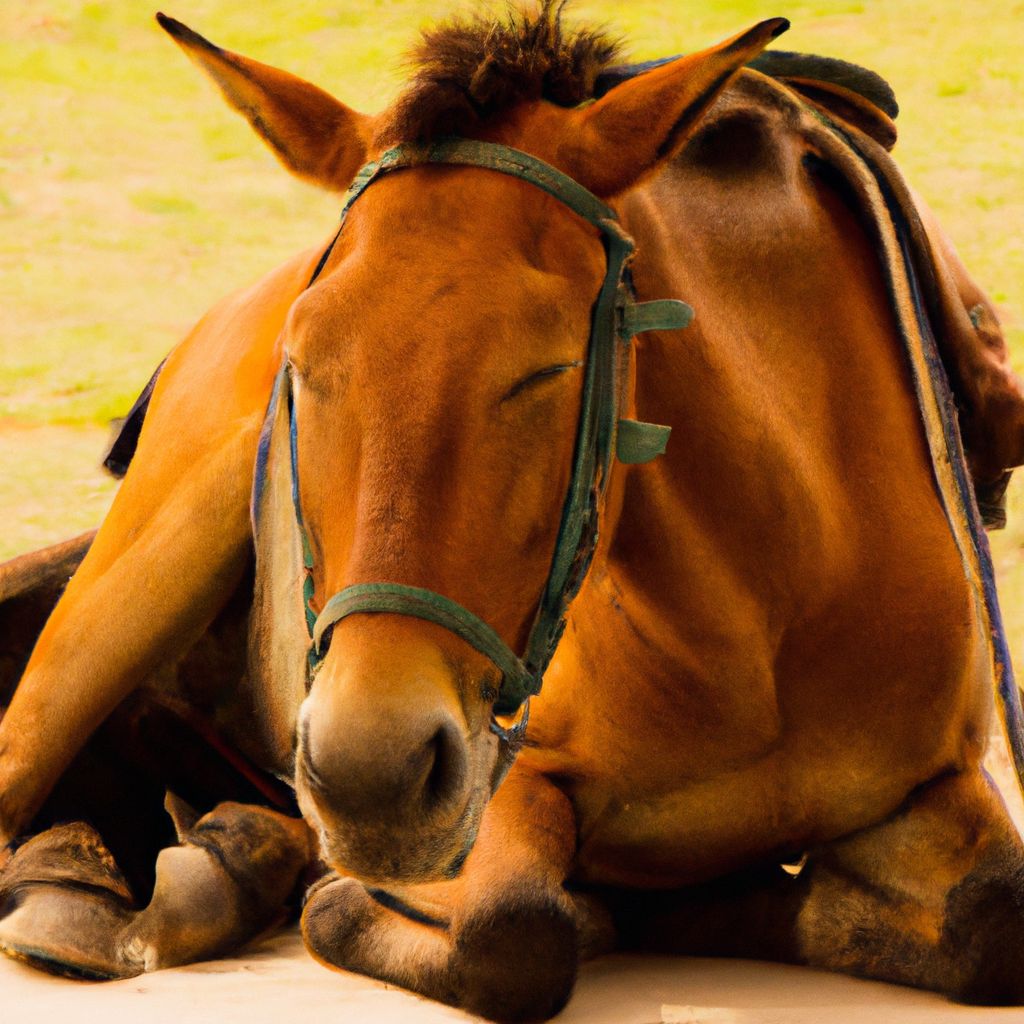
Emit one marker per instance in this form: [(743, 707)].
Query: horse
[(383, 494)]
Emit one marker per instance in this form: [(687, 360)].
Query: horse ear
[(314, 135), (646, 120)]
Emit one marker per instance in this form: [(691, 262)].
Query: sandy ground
[(277, 982)]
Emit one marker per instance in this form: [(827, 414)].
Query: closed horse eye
[(325, 640), (538, 376)]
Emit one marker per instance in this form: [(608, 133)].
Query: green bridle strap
[(489, 155), (615, 319), (433, 607)]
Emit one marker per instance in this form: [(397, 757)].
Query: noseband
[(616, 319)]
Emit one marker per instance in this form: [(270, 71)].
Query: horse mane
[(472, 67)]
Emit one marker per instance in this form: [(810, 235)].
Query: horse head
[(430, 398)]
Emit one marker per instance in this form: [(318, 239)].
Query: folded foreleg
[(160, 569), (503, 940)]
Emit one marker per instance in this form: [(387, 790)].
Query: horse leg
[(502, 940), (160, 568), (65, 907), (30, 585), (931, 897)]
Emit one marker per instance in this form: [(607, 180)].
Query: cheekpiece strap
[(308, 588)]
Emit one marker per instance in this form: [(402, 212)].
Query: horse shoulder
[(792, 380)]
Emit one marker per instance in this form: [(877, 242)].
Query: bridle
[(616, 319)]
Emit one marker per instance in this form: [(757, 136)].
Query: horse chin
[(382, 854), (403, 852)]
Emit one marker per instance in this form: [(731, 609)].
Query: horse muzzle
[(389, 769)]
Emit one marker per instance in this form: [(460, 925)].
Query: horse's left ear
[(314, 135), (644, 121)]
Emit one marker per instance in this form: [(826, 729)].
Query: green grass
[(131, 198)]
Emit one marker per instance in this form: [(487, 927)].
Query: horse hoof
[(64, 904), (332, 919)]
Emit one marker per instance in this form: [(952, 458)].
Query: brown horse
[(781, 649)]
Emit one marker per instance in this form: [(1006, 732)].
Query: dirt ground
[(276, 982)]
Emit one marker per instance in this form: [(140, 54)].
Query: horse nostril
[(397, 768), (447, 769)]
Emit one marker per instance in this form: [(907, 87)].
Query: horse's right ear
[(314, 135)]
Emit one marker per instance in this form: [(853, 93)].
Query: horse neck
[(796, 446)]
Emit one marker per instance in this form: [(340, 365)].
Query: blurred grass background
[(131, 198)]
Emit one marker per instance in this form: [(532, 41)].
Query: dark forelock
[(472, 67)]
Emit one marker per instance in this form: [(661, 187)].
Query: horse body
[(745, 601), (777, 650)]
